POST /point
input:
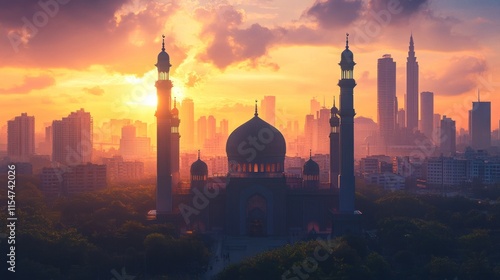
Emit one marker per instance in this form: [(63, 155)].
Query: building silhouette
[(72, 138), (201, 125), (386, 98), (448, 137), (268, 108), (480, 125), (411, 103), (427, 113), (188, 126), (21, 138)]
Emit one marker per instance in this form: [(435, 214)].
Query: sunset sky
[(100, 55)]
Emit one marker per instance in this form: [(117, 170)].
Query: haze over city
[(97, 55)]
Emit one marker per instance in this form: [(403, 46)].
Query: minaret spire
[(347, 40), (256, 113), (163, 42), (310, 153), (198, 153)]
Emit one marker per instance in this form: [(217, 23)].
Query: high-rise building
[(21, 138), (411, 102), (202, 130), (314, 106), (72, 138), (386, 98), (427, 113), (448, 137), (323, 131), (436, 128), (211, 127), (268, 107), (480, 125), (224, 129), (131, 146), (401, 118), (187, 127)]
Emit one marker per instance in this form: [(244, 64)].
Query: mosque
[(257, 198)]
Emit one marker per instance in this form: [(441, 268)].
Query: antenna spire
[(198, 153)]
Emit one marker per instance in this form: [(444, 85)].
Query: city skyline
[(111, 83)]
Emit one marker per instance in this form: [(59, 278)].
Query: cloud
[(123, 35), (467, 68), (335, 13), (29, 84), (97, 90), (229, 42), (405, 8)]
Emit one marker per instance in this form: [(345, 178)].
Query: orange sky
[(100, 55)]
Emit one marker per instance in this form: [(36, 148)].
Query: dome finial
[(163, 42), (198, 153), (175, 102), (334, 101), (256, 113), (347, 40), (310, 153)]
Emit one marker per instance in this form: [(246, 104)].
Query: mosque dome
[(255, 141), (311, 167), (199, 167)]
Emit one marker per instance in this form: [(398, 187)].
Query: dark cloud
[(81, 33), (335, 13), (97, 90), (404, 7), (29, 84), (230, 43), (460, 76)]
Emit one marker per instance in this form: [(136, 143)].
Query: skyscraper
[(401, 118), (72, 138), (411, 102), (314, 106), (480, 125), (211, 127), (187, 127), (164, 135), (448, 137), (386, 97), (323, 128), (21, 138), (268, 107), (202, 131), (427, 113)]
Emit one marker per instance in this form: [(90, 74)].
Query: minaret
[(346, 178), (411, 88), (334, 147), (175, 145), (164, 136)]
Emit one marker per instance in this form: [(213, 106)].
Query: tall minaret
[(175, 121), (164, 136), (334, 147), (347, 84), (411, 101)]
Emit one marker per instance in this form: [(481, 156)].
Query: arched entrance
[(256, 216)]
